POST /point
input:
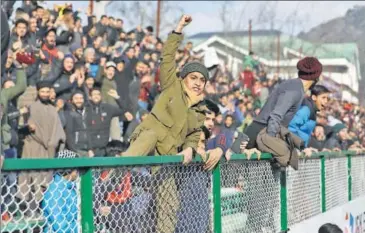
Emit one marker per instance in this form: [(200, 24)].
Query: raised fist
[(185, 20)]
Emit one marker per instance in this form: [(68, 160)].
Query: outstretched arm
[(168, 64)]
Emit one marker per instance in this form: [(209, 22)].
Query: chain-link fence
[(304, 191), (358, 176), (336, 177), (250, 197), (168, 198), (40, 201)]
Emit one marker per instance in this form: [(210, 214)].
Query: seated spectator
[(60, 200)]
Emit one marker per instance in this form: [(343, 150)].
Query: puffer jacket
[(60, 206), (101, 116), (77, 132), (61, 80), (304, 121)]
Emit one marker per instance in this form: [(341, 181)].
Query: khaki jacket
[(283, 147), (7, 95), (174, 117)]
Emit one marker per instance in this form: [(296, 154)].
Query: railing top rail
[(43, 164)]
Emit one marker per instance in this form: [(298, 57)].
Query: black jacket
[(61, 80), (101, 117), (77, 130)]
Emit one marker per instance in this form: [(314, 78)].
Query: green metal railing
[(286, 186)]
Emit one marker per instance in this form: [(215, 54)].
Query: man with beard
[(49, 48), (77, 52), (49, 53), (77, 133), (135, 86), (45, 138), (101, 117), (46, 133)]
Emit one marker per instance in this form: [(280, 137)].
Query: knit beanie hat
[(338, 127), (194, 67), (43, 84), (309, 68), (77, 91), (75, 47)]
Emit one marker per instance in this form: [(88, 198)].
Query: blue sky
[(290, 17)]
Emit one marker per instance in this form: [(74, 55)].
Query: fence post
[(283, 202), (349, 177), (87, 218), (217, 199), (323, 183)]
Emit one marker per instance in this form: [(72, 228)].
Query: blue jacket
[(304, 121), (60, 206), (223, 140)]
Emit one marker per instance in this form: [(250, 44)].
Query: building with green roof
[(280, 54)]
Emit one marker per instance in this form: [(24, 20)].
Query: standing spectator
[(6, 96), (65, 30), (102, 25), (102, 115), (20, 38), (49, 52), (78, 33), (45, 137), (46, 133), (90, 62), (247, 79), (77, 51), (76, 128), (107, 81), (33, 40), (63, 77)]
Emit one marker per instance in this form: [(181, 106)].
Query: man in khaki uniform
[(173, 126)]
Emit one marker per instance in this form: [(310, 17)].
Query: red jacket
[(247, 79)]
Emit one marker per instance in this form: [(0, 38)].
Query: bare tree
[(143, 13)]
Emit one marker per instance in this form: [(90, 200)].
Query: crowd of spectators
[(78, 88), (103, 81)]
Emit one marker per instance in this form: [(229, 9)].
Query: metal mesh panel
[(250, 197), (336, 182), (304, 191), (168, 198), (40, 201), (358, 176)]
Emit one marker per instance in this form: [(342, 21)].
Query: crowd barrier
[(159, 194)]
